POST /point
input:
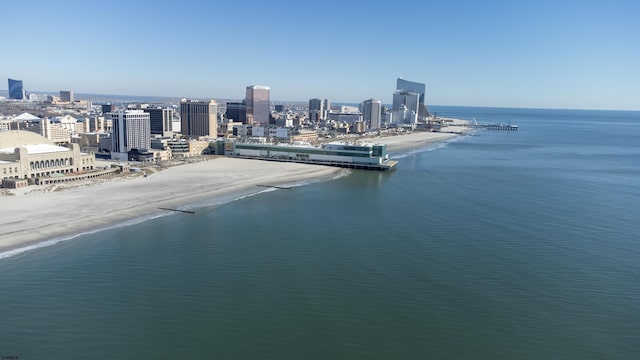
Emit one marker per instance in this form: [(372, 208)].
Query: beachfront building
[(199, 118), (16, 90), (410, 94), (26, 157), (131, 129), (372, 113), (358, 156), (406, 105), (258, 104)]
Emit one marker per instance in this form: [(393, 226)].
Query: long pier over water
[(492, 126)]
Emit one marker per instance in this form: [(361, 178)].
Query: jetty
[(178, 210)]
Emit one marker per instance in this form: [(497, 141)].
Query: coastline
[(35, 218), (39, 217), (417, 140)]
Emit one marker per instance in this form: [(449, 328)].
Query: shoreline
[(55, 216), (37, 217)]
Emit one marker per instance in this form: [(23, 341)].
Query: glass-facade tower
[(16, 91), (407, 88)]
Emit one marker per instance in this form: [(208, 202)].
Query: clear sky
[(543, 53)]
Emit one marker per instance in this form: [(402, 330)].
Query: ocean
[(497, 245)]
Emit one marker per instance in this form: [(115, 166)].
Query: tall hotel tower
[(16, 91), (409, 96), (372, 113), (258, 104), (130, 129), (199, 118)]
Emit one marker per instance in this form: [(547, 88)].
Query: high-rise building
[(315, 109), (406, 91), (161, 120), (279, 108), (372, 113), (237, 112), (16, 91), (258, 104), (66, 96), (199, 118), (326, 105), (131, 129), (318, 109)]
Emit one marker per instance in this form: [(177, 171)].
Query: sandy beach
[(419, 139), (34, 215)]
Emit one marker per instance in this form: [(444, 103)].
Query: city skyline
[(566, 54)]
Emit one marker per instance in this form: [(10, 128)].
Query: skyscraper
[(16, 91), (318, 109), (131, 129), (326, 105), (161, 120), (315, 109), (405, 95), (258, 104), (372, 113), (199, 118)]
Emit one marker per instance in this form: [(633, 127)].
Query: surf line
[(275, 187)]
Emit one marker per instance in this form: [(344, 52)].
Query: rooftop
[(37, 149)]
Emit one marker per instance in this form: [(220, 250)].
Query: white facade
[(337, 153), (131, 130), (26, 155)]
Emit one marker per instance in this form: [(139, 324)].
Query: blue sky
[(542, 54)]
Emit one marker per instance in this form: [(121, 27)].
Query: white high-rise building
[(131, 129)]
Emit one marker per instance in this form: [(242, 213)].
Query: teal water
[(513, 245)]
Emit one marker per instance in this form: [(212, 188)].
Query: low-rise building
[(25, 155)]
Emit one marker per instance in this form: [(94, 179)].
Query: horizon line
[(336, 101)]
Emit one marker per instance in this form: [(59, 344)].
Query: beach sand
[(38, 216), (417, 139)]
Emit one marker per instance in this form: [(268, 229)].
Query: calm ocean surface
[(503, 245)]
